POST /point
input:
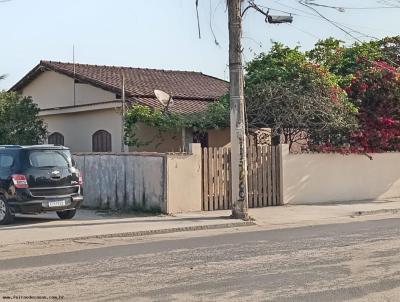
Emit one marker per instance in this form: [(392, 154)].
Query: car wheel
[(6, 216), (68, 214)]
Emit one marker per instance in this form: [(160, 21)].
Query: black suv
[(37, 179)]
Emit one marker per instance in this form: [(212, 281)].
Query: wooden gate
[(264, 177)]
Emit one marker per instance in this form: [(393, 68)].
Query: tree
[(344, 61), (375, 89), (368, 72), (296, 98), (390, 47), (307, 117), (281, 63), (20, 123)]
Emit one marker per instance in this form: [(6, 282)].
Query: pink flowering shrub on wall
[(375, 89)]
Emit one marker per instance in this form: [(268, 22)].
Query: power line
[(198, 19), (318, 17), (303, 2), (343, 8), (211, 26)]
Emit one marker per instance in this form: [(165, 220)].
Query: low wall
[(170, 183), (125, 180), (318, 178), (184, 181)]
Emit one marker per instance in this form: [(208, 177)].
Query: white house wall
[(52, 89), (79, 127)]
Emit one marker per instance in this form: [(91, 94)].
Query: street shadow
[(38, 222), (28, 220)]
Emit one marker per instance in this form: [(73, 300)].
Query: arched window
[(56, 139), (101, 141)]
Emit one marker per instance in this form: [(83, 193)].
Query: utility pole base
[(237, 214)]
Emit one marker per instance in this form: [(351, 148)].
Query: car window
[(50, 158), (6, 160)]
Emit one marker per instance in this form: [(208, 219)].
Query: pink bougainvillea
[(376, 90)]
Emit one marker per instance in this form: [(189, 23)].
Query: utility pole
[(240, 202)]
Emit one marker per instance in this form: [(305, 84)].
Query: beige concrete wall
[(318, 178), (148, 181), (87, 94), (52, 89), (184, 181), (79, 127), (219, 137)]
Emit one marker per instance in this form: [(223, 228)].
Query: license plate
[(57, 203)]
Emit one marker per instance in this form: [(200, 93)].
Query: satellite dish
[(164, 98)]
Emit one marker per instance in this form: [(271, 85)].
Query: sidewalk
[(88, 224), (302, 215)]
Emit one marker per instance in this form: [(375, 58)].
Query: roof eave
[(30, 76), (45, 66)]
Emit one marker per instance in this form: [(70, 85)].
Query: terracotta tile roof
[(192, 91), (179, 105)]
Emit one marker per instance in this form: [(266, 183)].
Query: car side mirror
[(73, 162)]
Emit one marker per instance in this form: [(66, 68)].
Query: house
[(82, 104)]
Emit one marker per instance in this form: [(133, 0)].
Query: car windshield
[(50, 158)]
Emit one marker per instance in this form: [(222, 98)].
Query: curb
[(150, 232), (375, 212)]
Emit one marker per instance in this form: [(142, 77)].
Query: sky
[(163, 34)]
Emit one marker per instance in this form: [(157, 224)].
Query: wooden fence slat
[(281, 200), (229, 179), (210, 180), (269, 180), (216, 179), (255, 175), (205, 180), (273, 156), (248, 169), (225, 177), (259, 176), (250, 174), (278, 176), (264, 175), (215, 166), (221, 178)]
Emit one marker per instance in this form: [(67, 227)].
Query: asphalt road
[(342, 262)]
